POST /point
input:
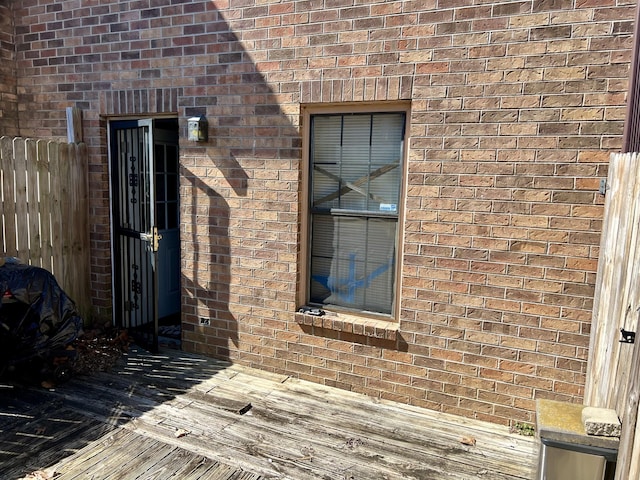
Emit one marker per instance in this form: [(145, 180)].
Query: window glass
[(172, 215), (355, 182), (172, 187)]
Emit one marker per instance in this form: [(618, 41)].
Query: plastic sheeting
[(36, 316)]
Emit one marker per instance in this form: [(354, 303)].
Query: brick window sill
[(352, 324)]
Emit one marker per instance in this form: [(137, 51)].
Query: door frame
[(116, 308)]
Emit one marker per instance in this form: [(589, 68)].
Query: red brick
[(513, 116)]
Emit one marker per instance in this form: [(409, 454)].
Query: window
[(356, 176)]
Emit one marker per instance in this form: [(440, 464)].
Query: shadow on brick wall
[(208, 295)]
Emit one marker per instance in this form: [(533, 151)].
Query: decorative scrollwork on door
[(133, 179), (136, 287)]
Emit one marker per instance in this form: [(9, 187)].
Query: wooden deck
[(180, 416)]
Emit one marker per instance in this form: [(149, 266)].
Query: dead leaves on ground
[(468, 440), (46, 474), (99, 350)]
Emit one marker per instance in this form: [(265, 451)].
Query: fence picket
[(7, 166), (45, 204), (22, 227), (56, 212), (628, 465), (33, 208), (62, 269), (80, 169)]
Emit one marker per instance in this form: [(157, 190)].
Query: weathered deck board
[(177, 416), (142, 457)]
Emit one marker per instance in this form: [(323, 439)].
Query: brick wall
[(8, 96), (515, 107)]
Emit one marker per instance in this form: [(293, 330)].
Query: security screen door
[(136, 239)]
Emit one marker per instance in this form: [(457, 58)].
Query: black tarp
[(37, 318)]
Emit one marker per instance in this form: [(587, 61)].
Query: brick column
[(8, 97)]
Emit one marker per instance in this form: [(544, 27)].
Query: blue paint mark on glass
[(345, 288)]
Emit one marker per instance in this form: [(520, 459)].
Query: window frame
[(304, 290)]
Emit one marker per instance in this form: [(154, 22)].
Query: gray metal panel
[(565, 464)]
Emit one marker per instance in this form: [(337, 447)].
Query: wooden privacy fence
[(613, 372), (44, 215)]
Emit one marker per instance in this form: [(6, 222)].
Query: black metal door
[(135, 235)]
